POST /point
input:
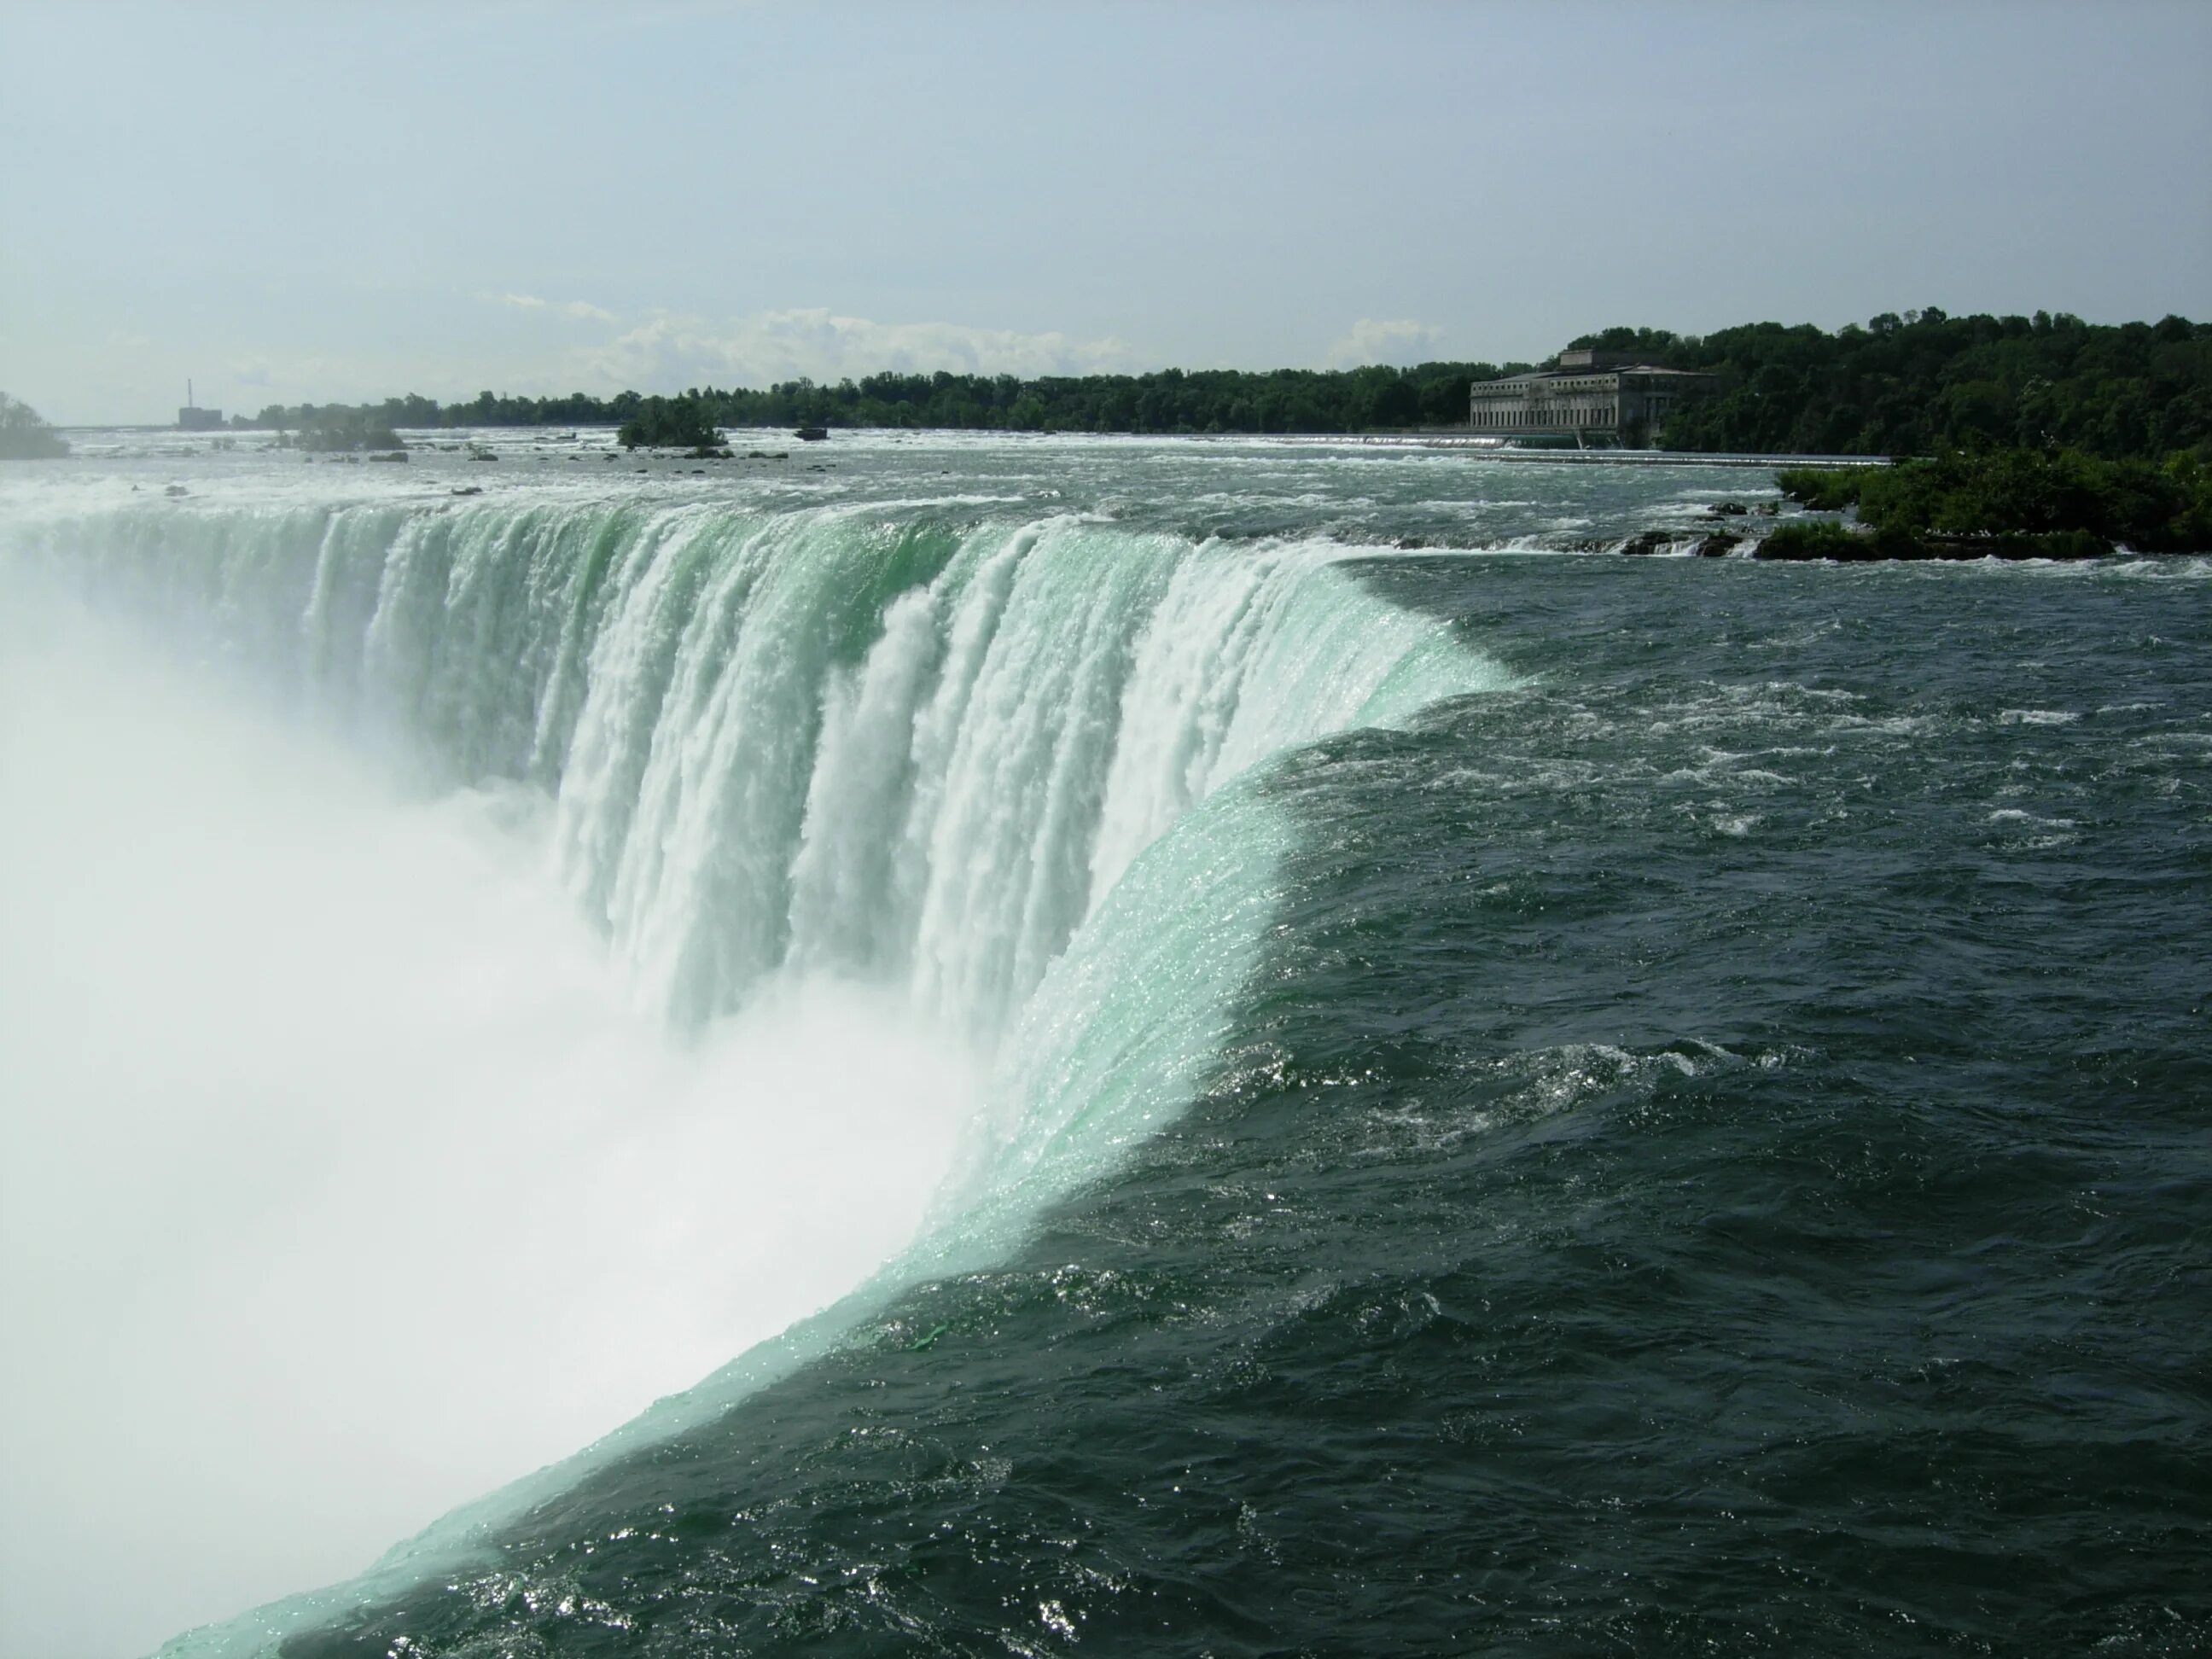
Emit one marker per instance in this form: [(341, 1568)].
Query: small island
[(337, 430), (2004, 504), (681, 422)]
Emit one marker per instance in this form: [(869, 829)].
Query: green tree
[(24, 436), (670, 422)]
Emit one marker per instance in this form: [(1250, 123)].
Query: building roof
[(1538, 376)]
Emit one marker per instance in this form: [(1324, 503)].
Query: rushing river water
[(1210, 1048)]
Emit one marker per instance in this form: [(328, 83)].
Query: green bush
[(1827, 490), (24, 436), (670, 423), (1815, 538), (2151, 507), (346, 430)]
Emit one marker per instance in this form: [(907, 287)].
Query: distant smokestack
[(189, 403)]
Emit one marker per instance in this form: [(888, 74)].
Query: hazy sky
[(341, 201)]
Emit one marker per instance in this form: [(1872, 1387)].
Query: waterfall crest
[(914, 751)]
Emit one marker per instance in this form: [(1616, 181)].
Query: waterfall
[(915, 751), (999, 782)]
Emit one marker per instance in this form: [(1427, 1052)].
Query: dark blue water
[(1716, 1156)]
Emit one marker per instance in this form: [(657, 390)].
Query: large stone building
[(192, 418), (1607, 395)]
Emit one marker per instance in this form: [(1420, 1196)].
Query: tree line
[(1164, 402), (1921, 383), (1926, 382)]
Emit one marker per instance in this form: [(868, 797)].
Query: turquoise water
[(1532, 1101)]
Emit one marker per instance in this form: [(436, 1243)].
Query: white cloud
[(580, 310), (1396, 340), (668, 352), (291, 379)]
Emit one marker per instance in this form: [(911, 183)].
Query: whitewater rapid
[(940, 832)]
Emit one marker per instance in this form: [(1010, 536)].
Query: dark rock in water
[(390, 455), (2068, 545), (176, 489), (813, 434), (1718, 546), (470, 489), (1728, 509), (1651, 541), (1767, 509), (1409, 544)]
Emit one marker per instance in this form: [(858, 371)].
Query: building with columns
[(1586, 394)]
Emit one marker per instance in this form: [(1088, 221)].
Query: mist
[(340, 1181)]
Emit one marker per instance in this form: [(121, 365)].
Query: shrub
[(24, 436), (1815, 538), (1827, 490), (670, 423), (347, 430)]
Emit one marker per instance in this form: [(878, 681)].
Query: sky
[(339, 202)]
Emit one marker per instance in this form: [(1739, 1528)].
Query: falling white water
[(393, 1189), (914, 753), (338, 1184)]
